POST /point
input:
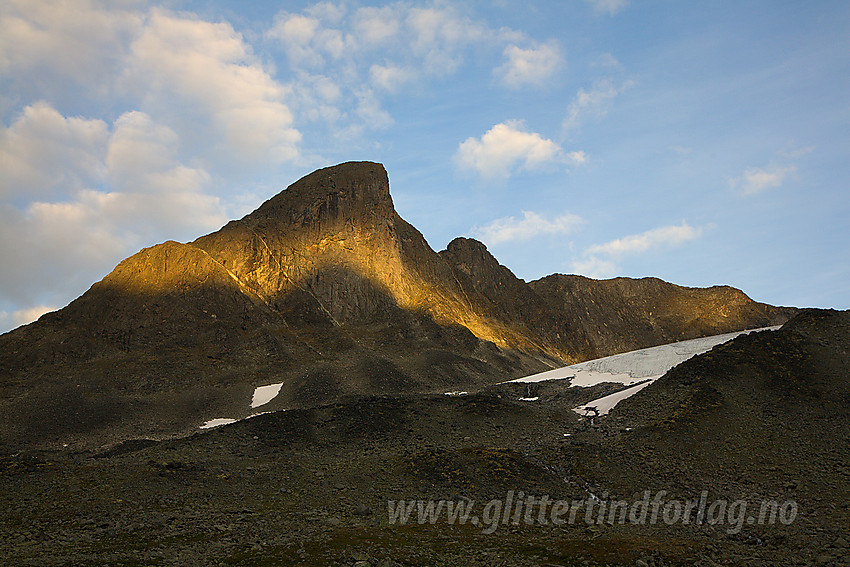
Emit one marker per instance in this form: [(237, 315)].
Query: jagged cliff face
[(340, 220), (623, 314), (330, 250), (325, 289), (579, 318)]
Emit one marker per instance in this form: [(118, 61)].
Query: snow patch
[(226, 420), (217, 421), (261, 413), (606, 403), (643, 366), (534, 399), (456, 393), (586, 378), (265, 394), (635, 366)]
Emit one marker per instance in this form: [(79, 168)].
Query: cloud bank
[(756, 179), (600, 260), (531, 224), (508, 147), (531, 67)]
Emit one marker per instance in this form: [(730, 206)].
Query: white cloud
[(318, 98), (186, 65), (390, 50), (306, 41), (598, 260), (297, 33), (327, 11), (57, 247), (440, 34), (530, 67), (30, 314), (138, 147), (54, 247), (390, 77), (578, 157), (794, 152), (664, 236), (149, 183), (756, 179), (327, 89), (80, 193), (377, 26), (181, 69), (43, 153), (594, 102), (45, 44), (607, 61), (23, 316), (594, 267), (135, 191), (506, 147), (609, 7), (369, 109), (530, 225)]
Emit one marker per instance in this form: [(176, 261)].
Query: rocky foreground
[(763, 418)]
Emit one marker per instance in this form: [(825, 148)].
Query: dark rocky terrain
[(762, 417), (326, 290), (323, 288)]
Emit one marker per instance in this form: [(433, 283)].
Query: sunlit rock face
[(576, 318), (330, 250), (607, 317), (331, 247)]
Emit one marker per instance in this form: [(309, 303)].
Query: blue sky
[(702, 143)]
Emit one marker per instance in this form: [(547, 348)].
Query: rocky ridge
[(327, 290)]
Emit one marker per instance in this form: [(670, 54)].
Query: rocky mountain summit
[(326, 290)]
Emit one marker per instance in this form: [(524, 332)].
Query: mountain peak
[(463, 244), (351, 192), (328, 290), (338, 219)]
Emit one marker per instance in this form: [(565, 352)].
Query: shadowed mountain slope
[(582, 319), (326, 290), (765, 416)]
